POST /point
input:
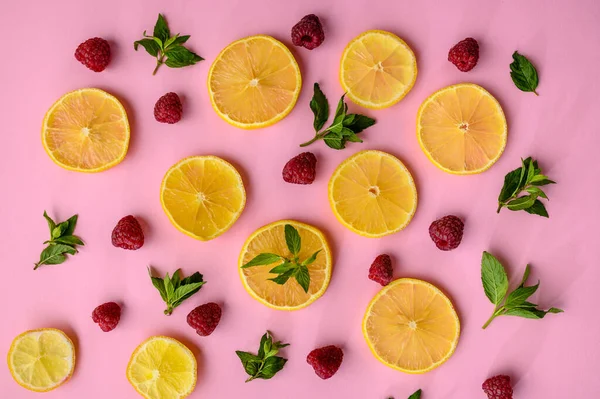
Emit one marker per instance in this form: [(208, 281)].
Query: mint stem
[(536, 93), (318, 136), (159, 62), (496, 313)]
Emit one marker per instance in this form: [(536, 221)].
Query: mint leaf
[(511, 185), (357, 123), (523, 73), (266, 343), (68, 240), (179, 57), (272, 365), (149, 45), (520, 295), (541, 180), (284, 267), (283, 278), (303, 278), (262, 259), (185, 291), (333, 140), (416, 395), (528, 313), (292, 239), (54, 255), (161, 29), (494, 278), (554, 310), (51, 223), (61, 242), (71, 224), (174, 290), (537, 208), (158, 283), (311, 259), (266, 364), (320, 108), (521, 203), (178, 40), (536, 192), (525, 275), (194, 278)]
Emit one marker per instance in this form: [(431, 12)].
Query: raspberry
[(301, 169), (94, 53), (168, 109), (498, 387), (205, 318), (326, 360), (464, 54), (447, 232), (381, 270), (308, 32), (107, 316), (128, 234)]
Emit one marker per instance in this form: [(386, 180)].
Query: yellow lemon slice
[(377, 69), (41, 360), (411, 326), (86, 130), (462, 129), (162, 368), (254, 82), (271, 239), (203, 196), (373, 194)]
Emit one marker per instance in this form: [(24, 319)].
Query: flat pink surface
[(558, 357)]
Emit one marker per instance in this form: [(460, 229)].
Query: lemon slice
[(162, 368), (271, 239), (377, 69), (373, 194), (86, 130), (411, 326), (462, 129), (41, 360), (203, 196), (254, 82)]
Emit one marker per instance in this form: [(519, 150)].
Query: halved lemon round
[(373, 194), (203, 196), (41, 360), (377, 69), (271, 239), (86, 130), (462, 129), (162, 368), (254, 82), (411, 326)]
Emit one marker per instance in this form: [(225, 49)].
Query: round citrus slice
[(462, 129), (162, 368), (86, 130), (373, 194), (41, 360), (254, 82), (203, 196), (271, 239), (377, 69), (411, 326)]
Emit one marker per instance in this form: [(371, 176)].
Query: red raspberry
[(94, 53), (498, 387), (168, 109), (464, 54), (301, 169), (447, 232), (128, 234), (107, 316), (308, 32), (381, 270), (205, 318), (326, 360)]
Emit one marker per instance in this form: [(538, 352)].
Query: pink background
[(557, 357)]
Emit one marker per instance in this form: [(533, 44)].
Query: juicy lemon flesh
[(86, 130), (373, 194), (203, 196), (41, 360), (163, 368), (462, 129), (378, 69), (254, 81), (271, 239), (412, 326)]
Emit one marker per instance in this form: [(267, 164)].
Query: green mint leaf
[(51, 223), (320, 108), (159, 284), (158, 42), (353, 138), (185, 291), (340, 111), (149, 45), (272, 365), (69, 240), (523, 73), (292, 239), (284, 267), (169, 288), (520, 295), (174, 290), (279, 345), (494, 278), (194, 278), (170, 41), (357, 123), (250, 362), (311, 259), (266, 364), (58, 230), (283, 278), (161, 29), (530, 170), (334, 141), (179, 40), (537, 208), (179, 57), (511, 185), (303, 277), (525, 275), (521, 203), (71, 224), (536, 192), (265, 341), (55, 254), (554, 310), (416, 395), (176, 279), (528, 313), (262, 259), (541, 180)]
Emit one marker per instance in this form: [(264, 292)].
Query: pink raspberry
[(326, 360), (498, 387), (447, 232), (381, 270), (94, 53), (301, 169), (128, 234), (168, 109), (465, 54), (205, 318), (107, 316), (308, 33)]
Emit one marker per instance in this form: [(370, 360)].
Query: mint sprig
[(344, 127), (521, 190), (523, 74), (265, 364), (495, 286), (415, 395), (167, 49), (290, 266), (62, 242), (174, 290)]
